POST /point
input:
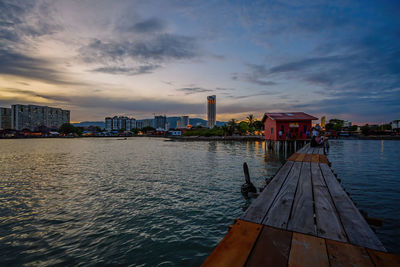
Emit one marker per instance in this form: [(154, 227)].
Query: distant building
[(395, 125), (34, 117), (5, 118), (148, 123), (183, 122), (287, 126), (346, 124), (117, 123), (211, 111), (160, 123)]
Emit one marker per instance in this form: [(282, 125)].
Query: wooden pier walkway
[(302, 218)]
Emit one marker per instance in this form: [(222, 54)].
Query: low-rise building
[(287, 126), (395, 125)]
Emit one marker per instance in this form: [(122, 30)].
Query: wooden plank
[(323, 159), (316, 150), (307, 158), (278, 214), (306, 148), (302, 215), (311, 150), (258, 209), (293, 157), (308, 251), (314, 158), (236, 246), (327, 218), (271, 249), (300, 157), (384, 259), (344, 254), (357, 230)]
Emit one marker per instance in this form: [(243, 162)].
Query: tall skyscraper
[(211, 111)]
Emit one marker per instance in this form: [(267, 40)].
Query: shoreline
[(205, 138)]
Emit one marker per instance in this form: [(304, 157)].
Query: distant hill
[(172, 122)]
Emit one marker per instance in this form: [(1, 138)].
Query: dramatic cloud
[(160, 48), (193, 90), (334, 58), (128, 71)]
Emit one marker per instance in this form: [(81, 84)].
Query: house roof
[(289, 116)]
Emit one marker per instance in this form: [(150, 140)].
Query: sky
[(339, 59)]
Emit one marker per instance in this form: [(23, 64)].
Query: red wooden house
[(287, 126)]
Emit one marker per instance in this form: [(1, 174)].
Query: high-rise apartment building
[(211, 111), (183, 122), (5, 118), (34, 117), (117, 123), (160, 122)]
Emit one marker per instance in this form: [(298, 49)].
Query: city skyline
[(338, 59)]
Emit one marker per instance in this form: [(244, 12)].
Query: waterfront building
[(182, 122), (148, 123), (287, 126), (211, 111), (395, 125), (34, 117), (5, 118), (160, 122), (346, 124), (117, 123)]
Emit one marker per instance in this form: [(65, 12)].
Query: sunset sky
[(100, 58)]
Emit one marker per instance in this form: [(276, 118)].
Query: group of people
[(316, 138)]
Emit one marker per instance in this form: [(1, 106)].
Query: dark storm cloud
[(163, 47), (145, 69)]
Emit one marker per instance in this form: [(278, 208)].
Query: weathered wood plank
[(315, 158), (344, 254), (307, 158), (257, 210), (306, 148), (302, 215), (271, 249), (278, 214), (323, 159), (236, 246), (311, 150), (384, 259), (308, 251), (327, 218), (293, 157), (300, 157), (357, 230)]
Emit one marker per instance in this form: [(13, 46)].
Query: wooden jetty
[(302, 218)]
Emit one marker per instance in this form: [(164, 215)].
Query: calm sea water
[(144, 201), (370, 172), (139, 201)]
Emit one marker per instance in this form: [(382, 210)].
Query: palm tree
[(225, 129), (232, 126), (250, 120)]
